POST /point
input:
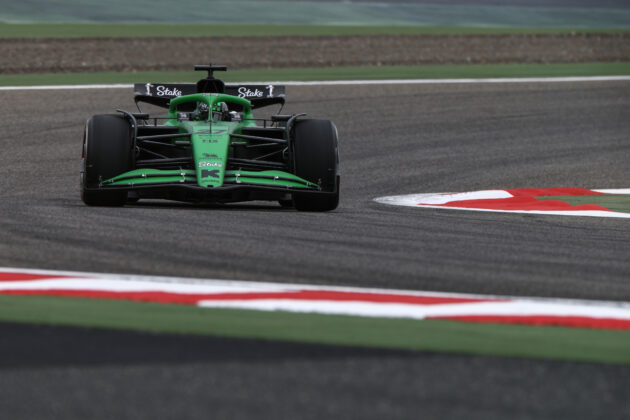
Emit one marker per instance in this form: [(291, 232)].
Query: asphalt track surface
[(394, 139)]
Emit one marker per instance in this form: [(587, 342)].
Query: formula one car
[(210, 148)]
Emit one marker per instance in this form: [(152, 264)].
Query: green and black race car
[(210, 148)]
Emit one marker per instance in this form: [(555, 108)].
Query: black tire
[(316, 159), (107, 148)]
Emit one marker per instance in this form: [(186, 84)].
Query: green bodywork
[(210, 142)]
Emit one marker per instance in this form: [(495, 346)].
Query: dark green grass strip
[(614, 202), (334, 73), (441, 336), (82, 30)]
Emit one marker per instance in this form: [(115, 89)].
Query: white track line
[(415, 311), (67, 87), (358, 82), (614, 191), (583, 213)]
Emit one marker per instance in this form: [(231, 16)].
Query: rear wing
[(160, 94)]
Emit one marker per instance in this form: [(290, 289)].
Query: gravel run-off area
[(48, 55)]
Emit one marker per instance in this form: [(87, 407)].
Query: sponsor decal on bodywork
[(255, 91), (165, 91), (210, 174), (214, 164), (244, 92)]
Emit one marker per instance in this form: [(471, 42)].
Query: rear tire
[(107, 148), (316, 159)]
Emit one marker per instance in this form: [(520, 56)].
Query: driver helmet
[(202, 111), (219, 110)]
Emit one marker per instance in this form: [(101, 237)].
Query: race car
[(209, 147)]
